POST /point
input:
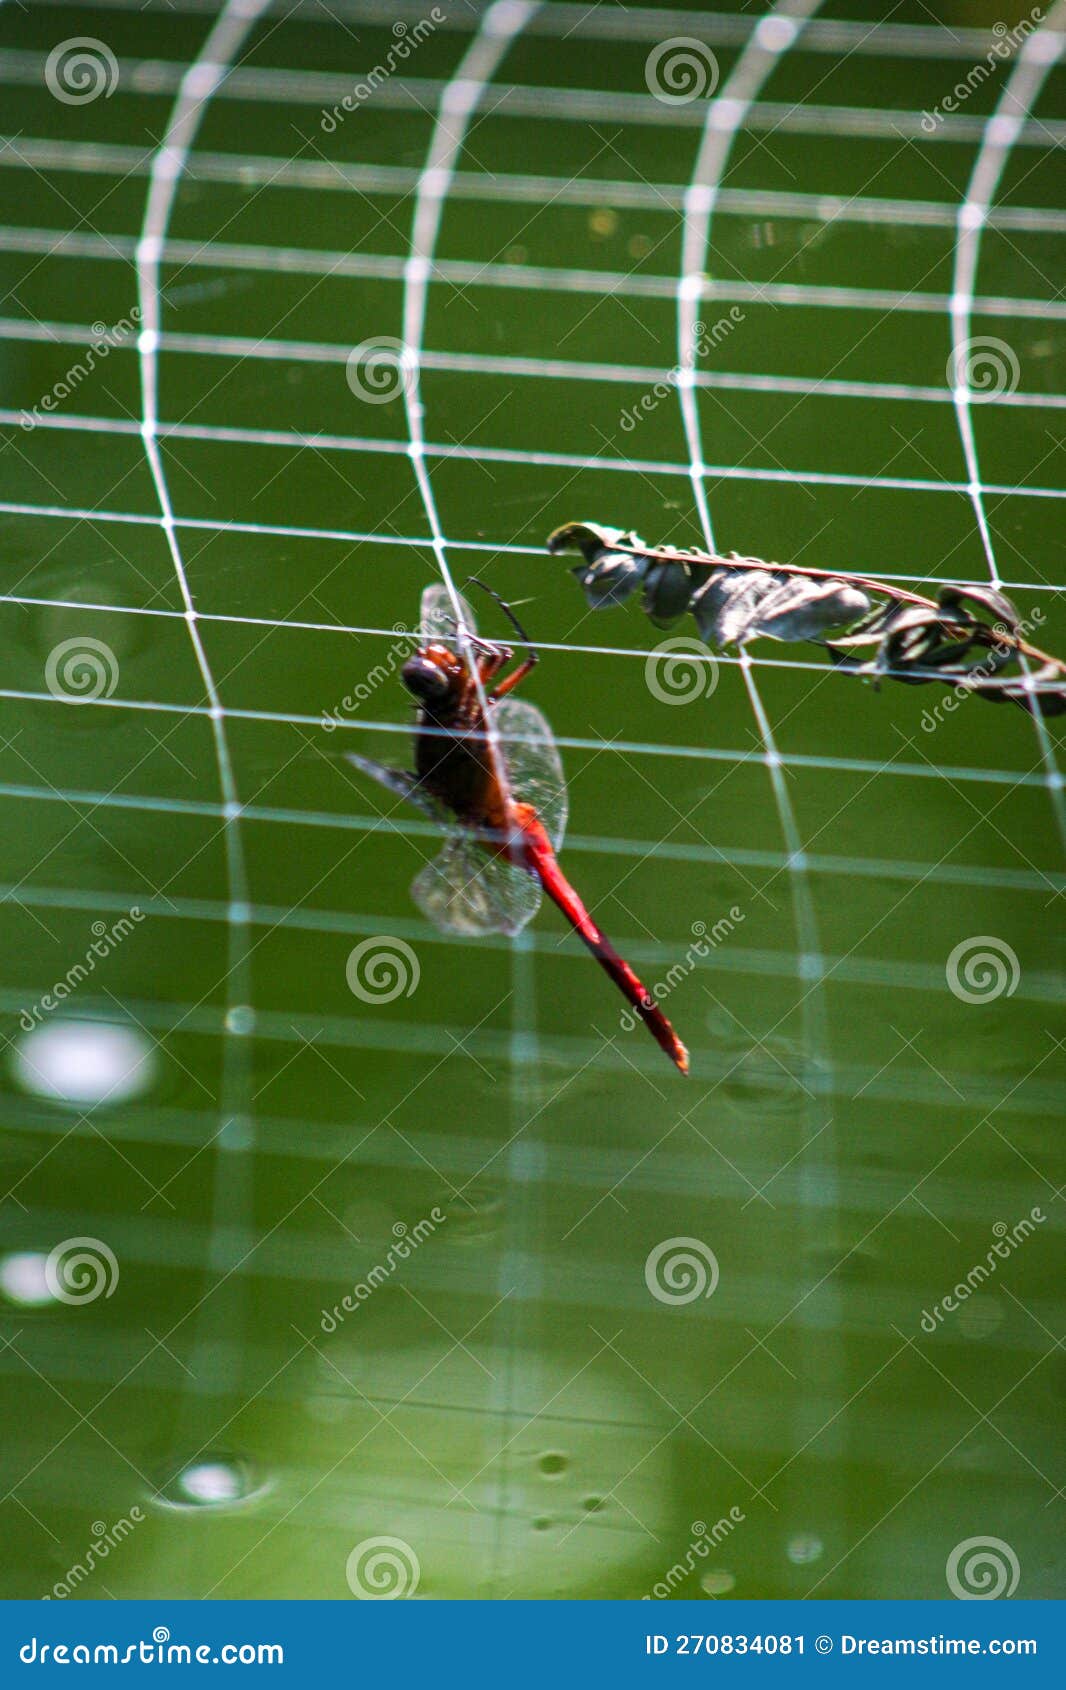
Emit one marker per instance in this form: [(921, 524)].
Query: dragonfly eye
[(426, 679)]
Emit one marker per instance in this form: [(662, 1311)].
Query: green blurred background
[(513, 1404)]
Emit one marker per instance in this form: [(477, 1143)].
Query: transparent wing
[(534, 767), (466, 892), (436, 623), (400, 782)]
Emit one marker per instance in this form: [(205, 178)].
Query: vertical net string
[(1037, 56)]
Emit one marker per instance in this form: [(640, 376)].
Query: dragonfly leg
[(514, 679)]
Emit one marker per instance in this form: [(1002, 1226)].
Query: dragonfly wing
[(464, 891), (534, 767), (400, 782), (437, 617)]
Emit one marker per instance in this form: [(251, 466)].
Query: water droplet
[(552, 1464), (717, 1582), (85, 1062), (23, 1280), (804, 1548), (240, 1019), (211, 1481), (542, 1525)]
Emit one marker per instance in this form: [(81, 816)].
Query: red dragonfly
[(496, 784)]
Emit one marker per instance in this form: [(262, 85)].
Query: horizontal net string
[(340, 176), (871, 868), (630, 748), (568, 18), (570, 1051), (495, 454), (21, 67), (502, 548)]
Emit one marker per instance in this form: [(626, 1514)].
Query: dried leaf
[(967, 637)]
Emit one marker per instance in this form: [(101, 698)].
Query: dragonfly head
[(431, 675)]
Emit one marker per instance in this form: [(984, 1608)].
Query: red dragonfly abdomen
[(534, 853)]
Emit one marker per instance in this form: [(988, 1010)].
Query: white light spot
[(776, 35), (803, 1549), (718, 1582), (23, 1280), (85, 1062), (148, 342)]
